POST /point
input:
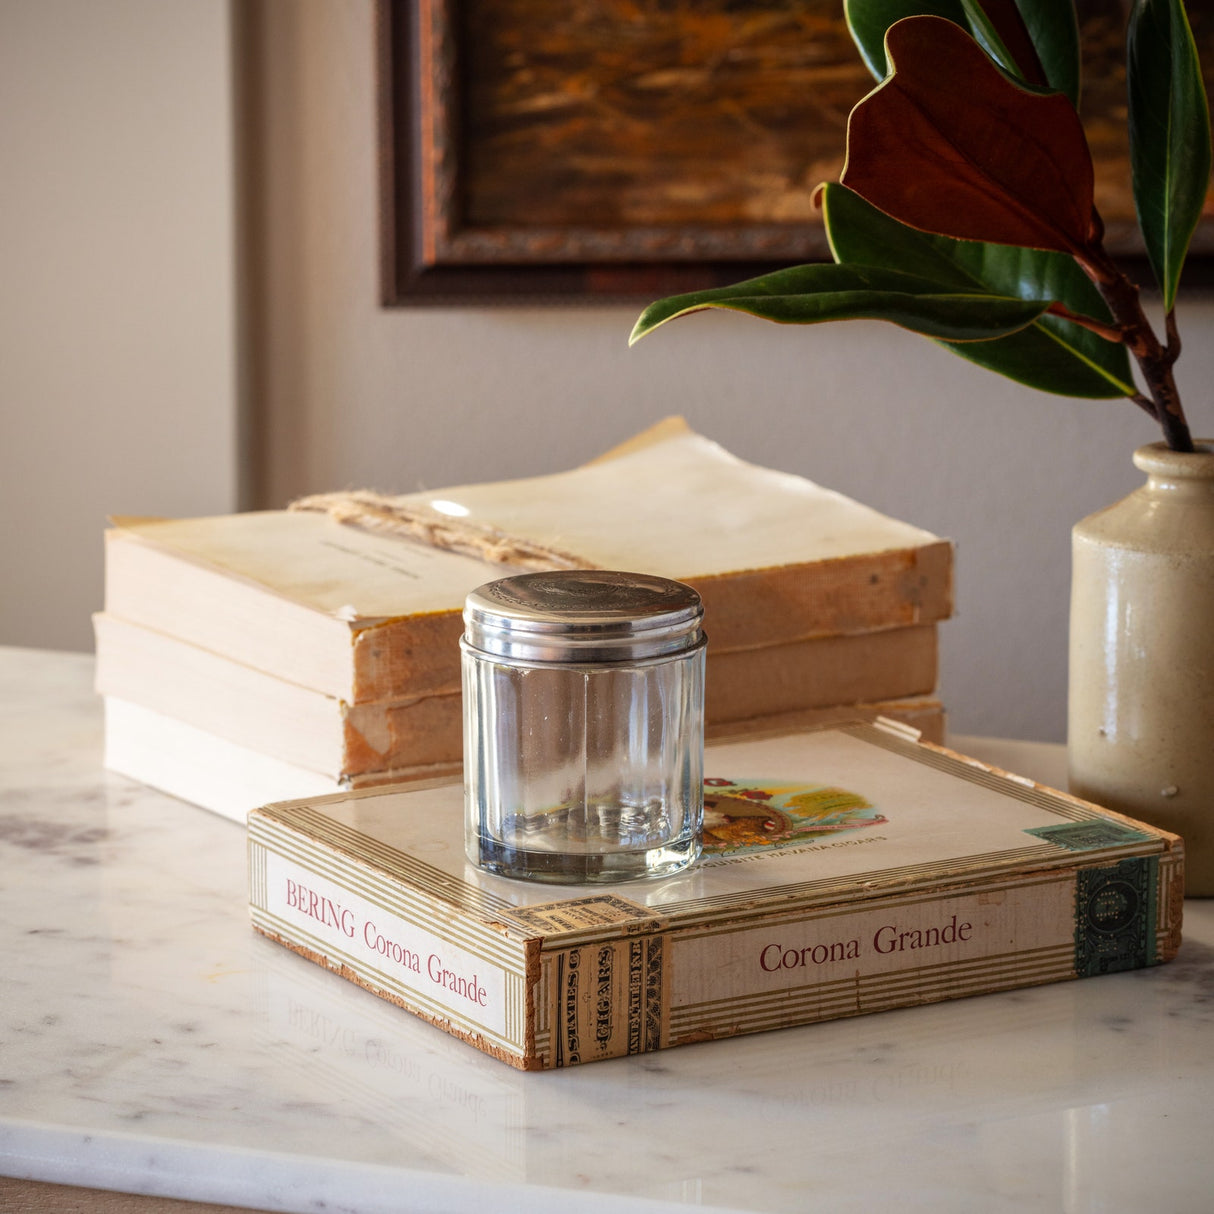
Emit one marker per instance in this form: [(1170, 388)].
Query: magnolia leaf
[(1035, 40), (968, 153), (997, 27), (806, 295), (1054, 30), (867, 21), (1051, 354), (1169, 135)]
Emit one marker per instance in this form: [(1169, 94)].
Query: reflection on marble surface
[(149, 1040)]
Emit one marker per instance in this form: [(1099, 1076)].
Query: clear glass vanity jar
[(583, 726)]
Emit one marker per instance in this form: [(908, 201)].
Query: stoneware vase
[(1141, 704)]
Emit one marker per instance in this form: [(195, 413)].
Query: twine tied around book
[(404, 516)]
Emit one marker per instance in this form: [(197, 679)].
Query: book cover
[(845, 871), (364, 616)]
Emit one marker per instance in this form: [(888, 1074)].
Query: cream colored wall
[(356, 395), (117, 300)]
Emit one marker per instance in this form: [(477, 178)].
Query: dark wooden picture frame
[(530, 157)]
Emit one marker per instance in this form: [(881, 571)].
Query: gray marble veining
[(150, 1041)]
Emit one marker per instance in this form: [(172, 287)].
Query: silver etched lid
[(582, 615)]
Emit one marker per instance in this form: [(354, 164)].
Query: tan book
[(269, 715), (363, 616), (327, 735), (846, 871)]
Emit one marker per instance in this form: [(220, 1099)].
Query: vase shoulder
[(1172, 513)]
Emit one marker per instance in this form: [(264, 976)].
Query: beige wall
[(117, 303), (350, 394)]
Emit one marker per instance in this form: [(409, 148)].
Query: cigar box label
[(742, 816), (597, 910), (1113, 927), (838, 953), (444, 979), (608, 999), (1089, 836)]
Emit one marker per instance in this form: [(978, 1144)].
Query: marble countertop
[(151, 1042)]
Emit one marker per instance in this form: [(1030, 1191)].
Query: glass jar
[(583, 726)]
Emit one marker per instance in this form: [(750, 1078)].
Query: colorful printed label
[(745, 816)]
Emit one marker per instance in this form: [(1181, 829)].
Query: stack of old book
[(262, 656)]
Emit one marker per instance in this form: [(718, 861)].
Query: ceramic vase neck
[(1184, 473)]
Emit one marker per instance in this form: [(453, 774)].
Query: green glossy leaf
[(867, 21), (1036, 40), (805, 295), (1169, 135), (996, 42), (1051, 354), (1054, 29)]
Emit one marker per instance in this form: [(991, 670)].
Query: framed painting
[(619, 150)]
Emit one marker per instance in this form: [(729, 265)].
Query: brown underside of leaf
[(950, 145)]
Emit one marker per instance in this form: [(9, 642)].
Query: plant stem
[(1146, 404), (1154, 360), (1111, 333)]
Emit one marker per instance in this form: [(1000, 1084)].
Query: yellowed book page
[(681, 507), (678, 506), (668, 427), (269, 715), (343, 572)]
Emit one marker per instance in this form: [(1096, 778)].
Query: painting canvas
[(628, 148)]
